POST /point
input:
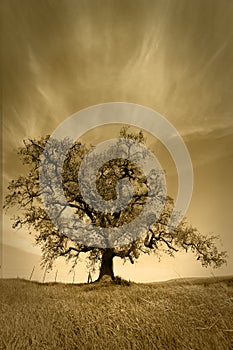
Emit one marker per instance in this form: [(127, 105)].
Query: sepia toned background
[(173, 56)]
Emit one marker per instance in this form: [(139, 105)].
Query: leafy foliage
[(25, 193)]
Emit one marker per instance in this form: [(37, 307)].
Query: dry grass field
[(185, 314)]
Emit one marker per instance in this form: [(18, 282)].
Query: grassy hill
[(186, 314)]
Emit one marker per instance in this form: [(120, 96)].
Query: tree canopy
[(26, 194)]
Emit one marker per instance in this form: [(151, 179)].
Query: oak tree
[(26, 192)]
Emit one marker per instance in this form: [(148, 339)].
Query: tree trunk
[(106, 268)]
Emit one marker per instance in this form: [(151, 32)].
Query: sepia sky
[(174, 56)]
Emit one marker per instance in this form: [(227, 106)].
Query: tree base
[(117, 280), (105, 279)]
